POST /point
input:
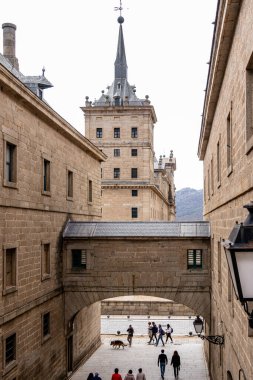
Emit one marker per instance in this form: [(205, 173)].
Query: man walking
[(154, 332), (162, 361), (130, 332)]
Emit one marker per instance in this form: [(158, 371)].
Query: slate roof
[(120, 92), (79, 230), (37, 81)]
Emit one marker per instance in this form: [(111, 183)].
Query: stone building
[(49, 173), (135, 186), (225, 146)]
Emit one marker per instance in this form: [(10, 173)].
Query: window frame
[(134, 132), (70, 184), (46, 175), (116, 152), (229, 143), (134, 212), (116, 133), (45, 336), (116, 173), (194, 259), (45, 267), (134, 150), (134, 172), (90, 191), (12, 363), (13, 287), (99, 133), (135, 193), (82, 265), (10, 141)]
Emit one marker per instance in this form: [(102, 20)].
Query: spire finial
[(120, 8)]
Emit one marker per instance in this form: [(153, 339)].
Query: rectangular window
[(134, 193), (116, 133), (218, 164), (10, 269), (46, 175), (10, 349), (116, 152), (208, 184), (70, 184), (79, 259), (212, 179), (134, 152), (89, 191), (45, 260), (219, 261), (134, 132), (46, 325), (134, 212), (10, 162), (134, 173), (99, 133), (229, 143), (194, 258), (116, 173)]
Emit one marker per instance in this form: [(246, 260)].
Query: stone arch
[(229, 376), (199, 302)]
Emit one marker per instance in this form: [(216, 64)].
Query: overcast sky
[(168, 45)]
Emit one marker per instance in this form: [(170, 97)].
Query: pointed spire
[(120, 63)]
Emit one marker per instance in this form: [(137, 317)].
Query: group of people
[(157, 333), (129, 376), (163, 361), (117, 376)]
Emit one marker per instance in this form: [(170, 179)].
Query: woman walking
[(129, 375), (175, 361)]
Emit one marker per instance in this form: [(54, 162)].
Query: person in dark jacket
[(154, 332), (175, 361), (97, 377), (162, 361), (90, 377)]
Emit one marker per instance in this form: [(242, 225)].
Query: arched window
[(229, 376)]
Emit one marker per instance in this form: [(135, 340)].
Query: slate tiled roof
[(79, 230)]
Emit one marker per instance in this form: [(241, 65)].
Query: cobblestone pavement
[(105, 359)]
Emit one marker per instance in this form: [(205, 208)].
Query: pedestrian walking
[(161, 332), (162, 362), (140, 375), (90, 377), (168, 332), (154, 332), (130, 335), (150, 332), (97, 377), (129, 375), (116, 375), (175, 361)]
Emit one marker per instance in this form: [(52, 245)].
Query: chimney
[(9, 44)]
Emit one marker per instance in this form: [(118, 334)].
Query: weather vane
[(119, 8)]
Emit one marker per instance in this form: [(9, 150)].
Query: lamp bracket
[(215, 339)]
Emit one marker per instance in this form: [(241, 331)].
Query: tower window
[(116, 152), (99, 133), (134, 173), (134, 132), (116, 172), (134, 152), (116, 133), (134, 193)]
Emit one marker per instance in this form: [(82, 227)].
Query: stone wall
[(32, 220), (144, 308), (226, 146)]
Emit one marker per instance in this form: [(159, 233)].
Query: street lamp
[(239, 253), (198, 326)]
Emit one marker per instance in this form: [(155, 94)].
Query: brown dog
[(117, 344)]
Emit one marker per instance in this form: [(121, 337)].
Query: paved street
[(105, 359)]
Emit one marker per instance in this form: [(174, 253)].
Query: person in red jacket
[(116, 375)]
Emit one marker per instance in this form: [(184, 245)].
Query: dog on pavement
[(117, 344)]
